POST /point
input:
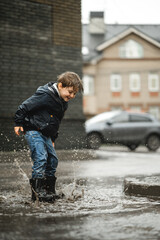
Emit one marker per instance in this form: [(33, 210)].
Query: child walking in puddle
[(39, 118)]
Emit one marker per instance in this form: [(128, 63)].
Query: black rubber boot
[(50, 187), (50, 184), (38, 187), (32, 183)]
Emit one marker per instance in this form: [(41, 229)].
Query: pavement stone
[(143, 186)]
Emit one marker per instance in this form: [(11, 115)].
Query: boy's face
[(66, 93)]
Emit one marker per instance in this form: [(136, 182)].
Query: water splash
[(21, 171), (2, 198), (72, 192)]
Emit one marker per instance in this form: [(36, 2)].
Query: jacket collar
[(56, 87)]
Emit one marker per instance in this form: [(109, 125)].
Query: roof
[(124, 34), (96, 42)]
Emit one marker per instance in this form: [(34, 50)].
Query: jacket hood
[(46, 88), (50, 90)]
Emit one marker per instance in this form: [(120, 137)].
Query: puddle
[(92, 206), (80, 197)]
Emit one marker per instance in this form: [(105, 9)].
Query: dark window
[(138, 118)]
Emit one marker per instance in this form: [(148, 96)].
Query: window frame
[(131, 82), (87, 80), (129, 47), (113, 88), (150, 85)]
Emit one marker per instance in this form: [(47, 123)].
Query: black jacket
[(43, 111)]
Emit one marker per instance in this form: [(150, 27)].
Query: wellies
[(43, 189)]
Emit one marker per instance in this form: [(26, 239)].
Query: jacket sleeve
[(38, 100)]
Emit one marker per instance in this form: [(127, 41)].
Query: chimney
[(96, 25)]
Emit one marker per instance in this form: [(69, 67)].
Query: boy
[(38, 118)]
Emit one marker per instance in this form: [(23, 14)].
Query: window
[(131, 49), (134, 82), (122, 118), (135, 108), (139, 118), (153, 82), (155, 111), (88, 84), (115, 83), (115, 108)]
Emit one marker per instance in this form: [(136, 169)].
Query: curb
[(143, 186)]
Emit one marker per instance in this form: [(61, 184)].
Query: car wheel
[(94, 141), (132, 147), (153, 143)]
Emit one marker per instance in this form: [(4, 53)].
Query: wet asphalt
[(93, 206)]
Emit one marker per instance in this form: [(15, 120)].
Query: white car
[(129, 129)]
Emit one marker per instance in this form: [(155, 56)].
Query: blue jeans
[(43, 154)]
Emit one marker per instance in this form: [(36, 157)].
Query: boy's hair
[(71, 79)]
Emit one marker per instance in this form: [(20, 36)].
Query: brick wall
[(39, 40)]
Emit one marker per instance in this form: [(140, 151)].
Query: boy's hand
[(53, 144), (18, 130)]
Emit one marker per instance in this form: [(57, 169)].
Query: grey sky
[(124, 11)]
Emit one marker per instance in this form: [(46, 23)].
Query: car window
[(121, 118), (102, 117), (139, 118)]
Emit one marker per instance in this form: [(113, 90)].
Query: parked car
[(127, 128)]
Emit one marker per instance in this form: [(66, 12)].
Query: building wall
[(39, 40), (111, 63)]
